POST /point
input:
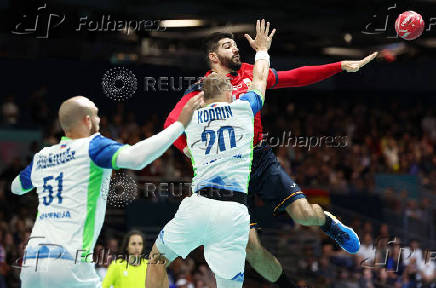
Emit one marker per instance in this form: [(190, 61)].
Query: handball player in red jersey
[(268, 179)]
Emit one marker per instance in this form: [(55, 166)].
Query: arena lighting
[(182, 23), (429, 42), (338, 51), (240, 28)]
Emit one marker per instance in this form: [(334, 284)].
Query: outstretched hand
[(354, 66), (193, 104), (262, 41)]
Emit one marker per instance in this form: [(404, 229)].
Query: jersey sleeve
[(302, 76), (273, 79), (254, 98), (26, 178), (104, 152)]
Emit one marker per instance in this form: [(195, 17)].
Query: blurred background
[(382, 181)]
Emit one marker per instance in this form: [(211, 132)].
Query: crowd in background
[(386, 137)]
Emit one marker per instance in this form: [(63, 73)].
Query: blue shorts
[(269, 181)]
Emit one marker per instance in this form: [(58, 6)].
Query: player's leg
[(264, 263), (274, 184), (301, 211), (157, 276), (304, 213), (179, 237), (224, 249)]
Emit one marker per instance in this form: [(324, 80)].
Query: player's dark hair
[(126, 239), (211, 42)]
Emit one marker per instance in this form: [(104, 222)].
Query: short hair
[(215, 85), (72, 111), (211, 43)]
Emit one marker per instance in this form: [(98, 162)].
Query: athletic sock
[(327, 225), (285, 282)]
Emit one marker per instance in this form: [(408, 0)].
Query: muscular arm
[(260, 75)]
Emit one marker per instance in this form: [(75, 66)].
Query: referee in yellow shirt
[(121, 274)]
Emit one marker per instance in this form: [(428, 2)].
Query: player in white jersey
[(220, 139), (72, 179)]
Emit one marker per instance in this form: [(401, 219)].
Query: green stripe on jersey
[(251, 158), (94, 186), (115, 157), (21, 185), (193, 162)]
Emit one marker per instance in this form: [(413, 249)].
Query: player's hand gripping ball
[(409, 25)]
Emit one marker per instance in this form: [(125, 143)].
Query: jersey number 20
[(220, 132)]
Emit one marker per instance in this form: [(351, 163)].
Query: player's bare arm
[(261, 44)]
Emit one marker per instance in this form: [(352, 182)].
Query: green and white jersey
[(220, 139), (72, 180)]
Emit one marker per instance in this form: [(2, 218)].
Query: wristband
[(261, 55)]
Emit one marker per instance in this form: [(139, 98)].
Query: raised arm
[(261, 44)]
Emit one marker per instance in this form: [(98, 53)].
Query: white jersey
[(72, 179), (220, 140)]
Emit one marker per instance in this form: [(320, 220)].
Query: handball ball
[(409, 25)]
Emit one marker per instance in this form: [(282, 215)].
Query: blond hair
[(215, 85)]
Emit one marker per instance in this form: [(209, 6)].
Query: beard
[(233, 63)]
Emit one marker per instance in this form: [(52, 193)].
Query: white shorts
[(221, 226), (52, 272)]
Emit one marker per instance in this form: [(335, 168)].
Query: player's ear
[(229, 96), (213, 57), (88, 121)]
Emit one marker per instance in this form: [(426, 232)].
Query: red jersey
[(241, 81)]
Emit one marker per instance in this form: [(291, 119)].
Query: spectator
[(129, 272), (10, 111)]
